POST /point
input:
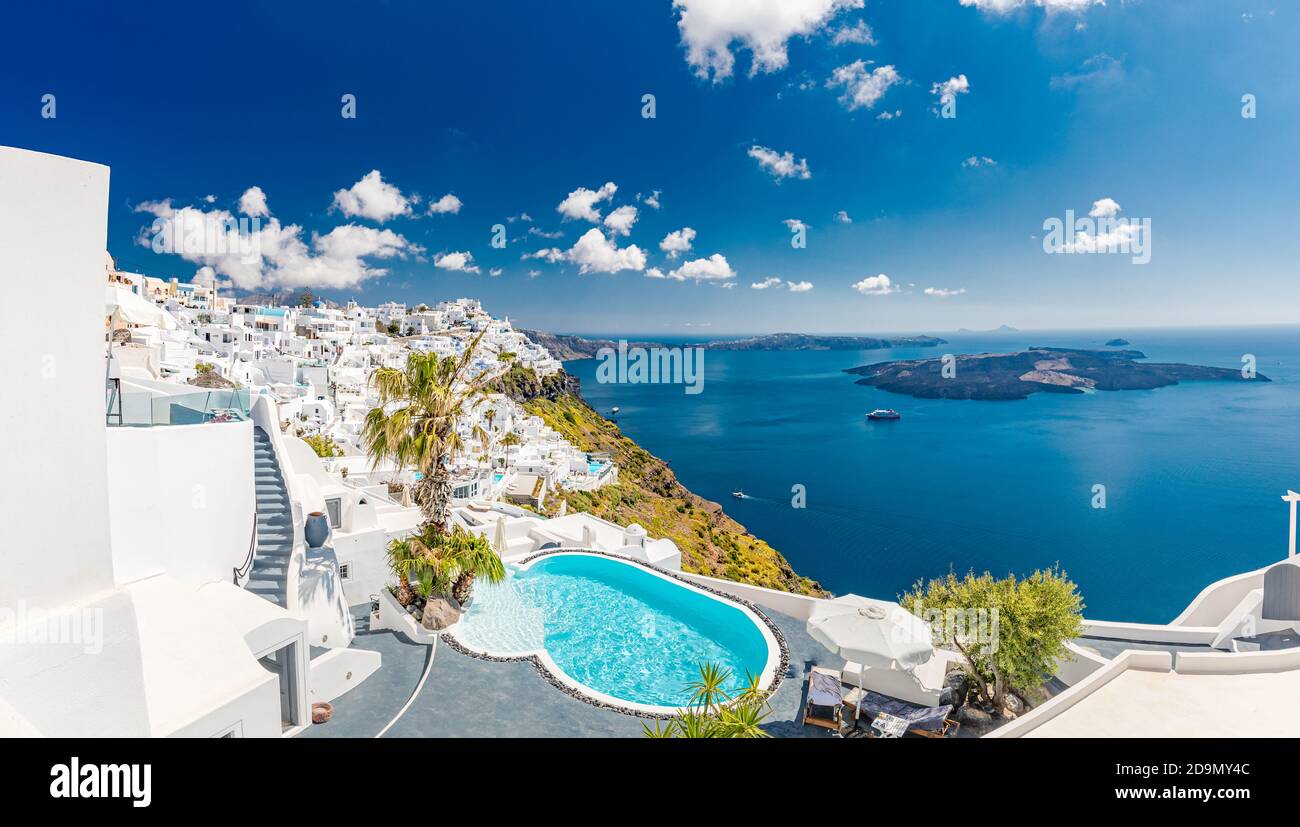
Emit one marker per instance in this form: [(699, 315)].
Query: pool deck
[(465, 697)]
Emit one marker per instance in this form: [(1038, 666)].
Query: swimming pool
[(595, 468), (616, 631)]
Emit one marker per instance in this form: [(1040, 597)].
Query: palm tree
[(464, 557), (509, 439), (490, 415), (409, 558), (414, 423)]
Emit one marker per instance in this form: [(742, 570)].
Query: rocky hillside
[(565, 347), (1040, 370), (648, 493)]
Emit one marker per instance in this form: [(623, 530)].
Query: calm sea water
[(1193, 473)]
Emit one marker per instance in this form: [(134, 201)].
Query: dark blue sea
[(1193, 474)]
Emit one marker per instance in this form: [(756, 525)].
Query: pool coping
[(557, 677)]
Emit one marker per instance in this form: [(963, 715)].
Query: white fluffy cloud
[(656, 273), (678, 242), (620, 221), (715, 267), (251, 203), (446, 204), (1104, 208), (267, 253), (1110, 236), (651, 200), (943, 292), (842, 217), (859, 33), (594, 253), (779, 164), (581, 203), (709, 28), (862, 88), (978, 161), (1008, 6), (792, 286), (875, 286), (372, 197), (958, 85), (461, 262), (551, 255)]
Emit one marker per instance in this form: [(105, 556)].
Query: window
[(334, 507), (345, 571)]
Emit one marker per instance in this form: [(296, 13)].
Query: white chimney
[(634, 535)]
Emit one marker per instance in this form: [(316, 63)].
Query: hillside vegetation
[(648, 493)]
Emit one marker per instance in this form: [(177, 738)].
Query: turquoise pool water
[(498, 477), (613, 627), (595, 467)]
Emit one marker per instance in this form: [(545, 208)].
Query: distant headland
[(567, 347), (1044, 369)]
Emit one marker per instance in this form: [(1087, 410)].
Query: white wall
[(798, 606), (366, 557), (181, 500), (53, 231), (1212, 605), (1039, 715)]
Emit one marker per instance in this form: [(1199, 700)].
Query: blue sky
[(511, 107)]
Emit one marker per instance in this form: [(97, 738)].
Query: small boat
[(884, 413), (740, 495), (614, 409)]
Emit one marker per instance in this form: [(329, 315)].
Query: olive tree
[(1010, 632)]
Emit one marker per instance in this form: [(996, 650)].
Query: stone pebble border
[(782, 665)]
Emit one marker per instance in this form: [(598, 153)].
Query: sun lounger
[(927, 721), (824, 707)]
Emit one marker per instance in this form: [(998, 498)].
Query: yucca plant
[(710, 691), (714, 712)]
